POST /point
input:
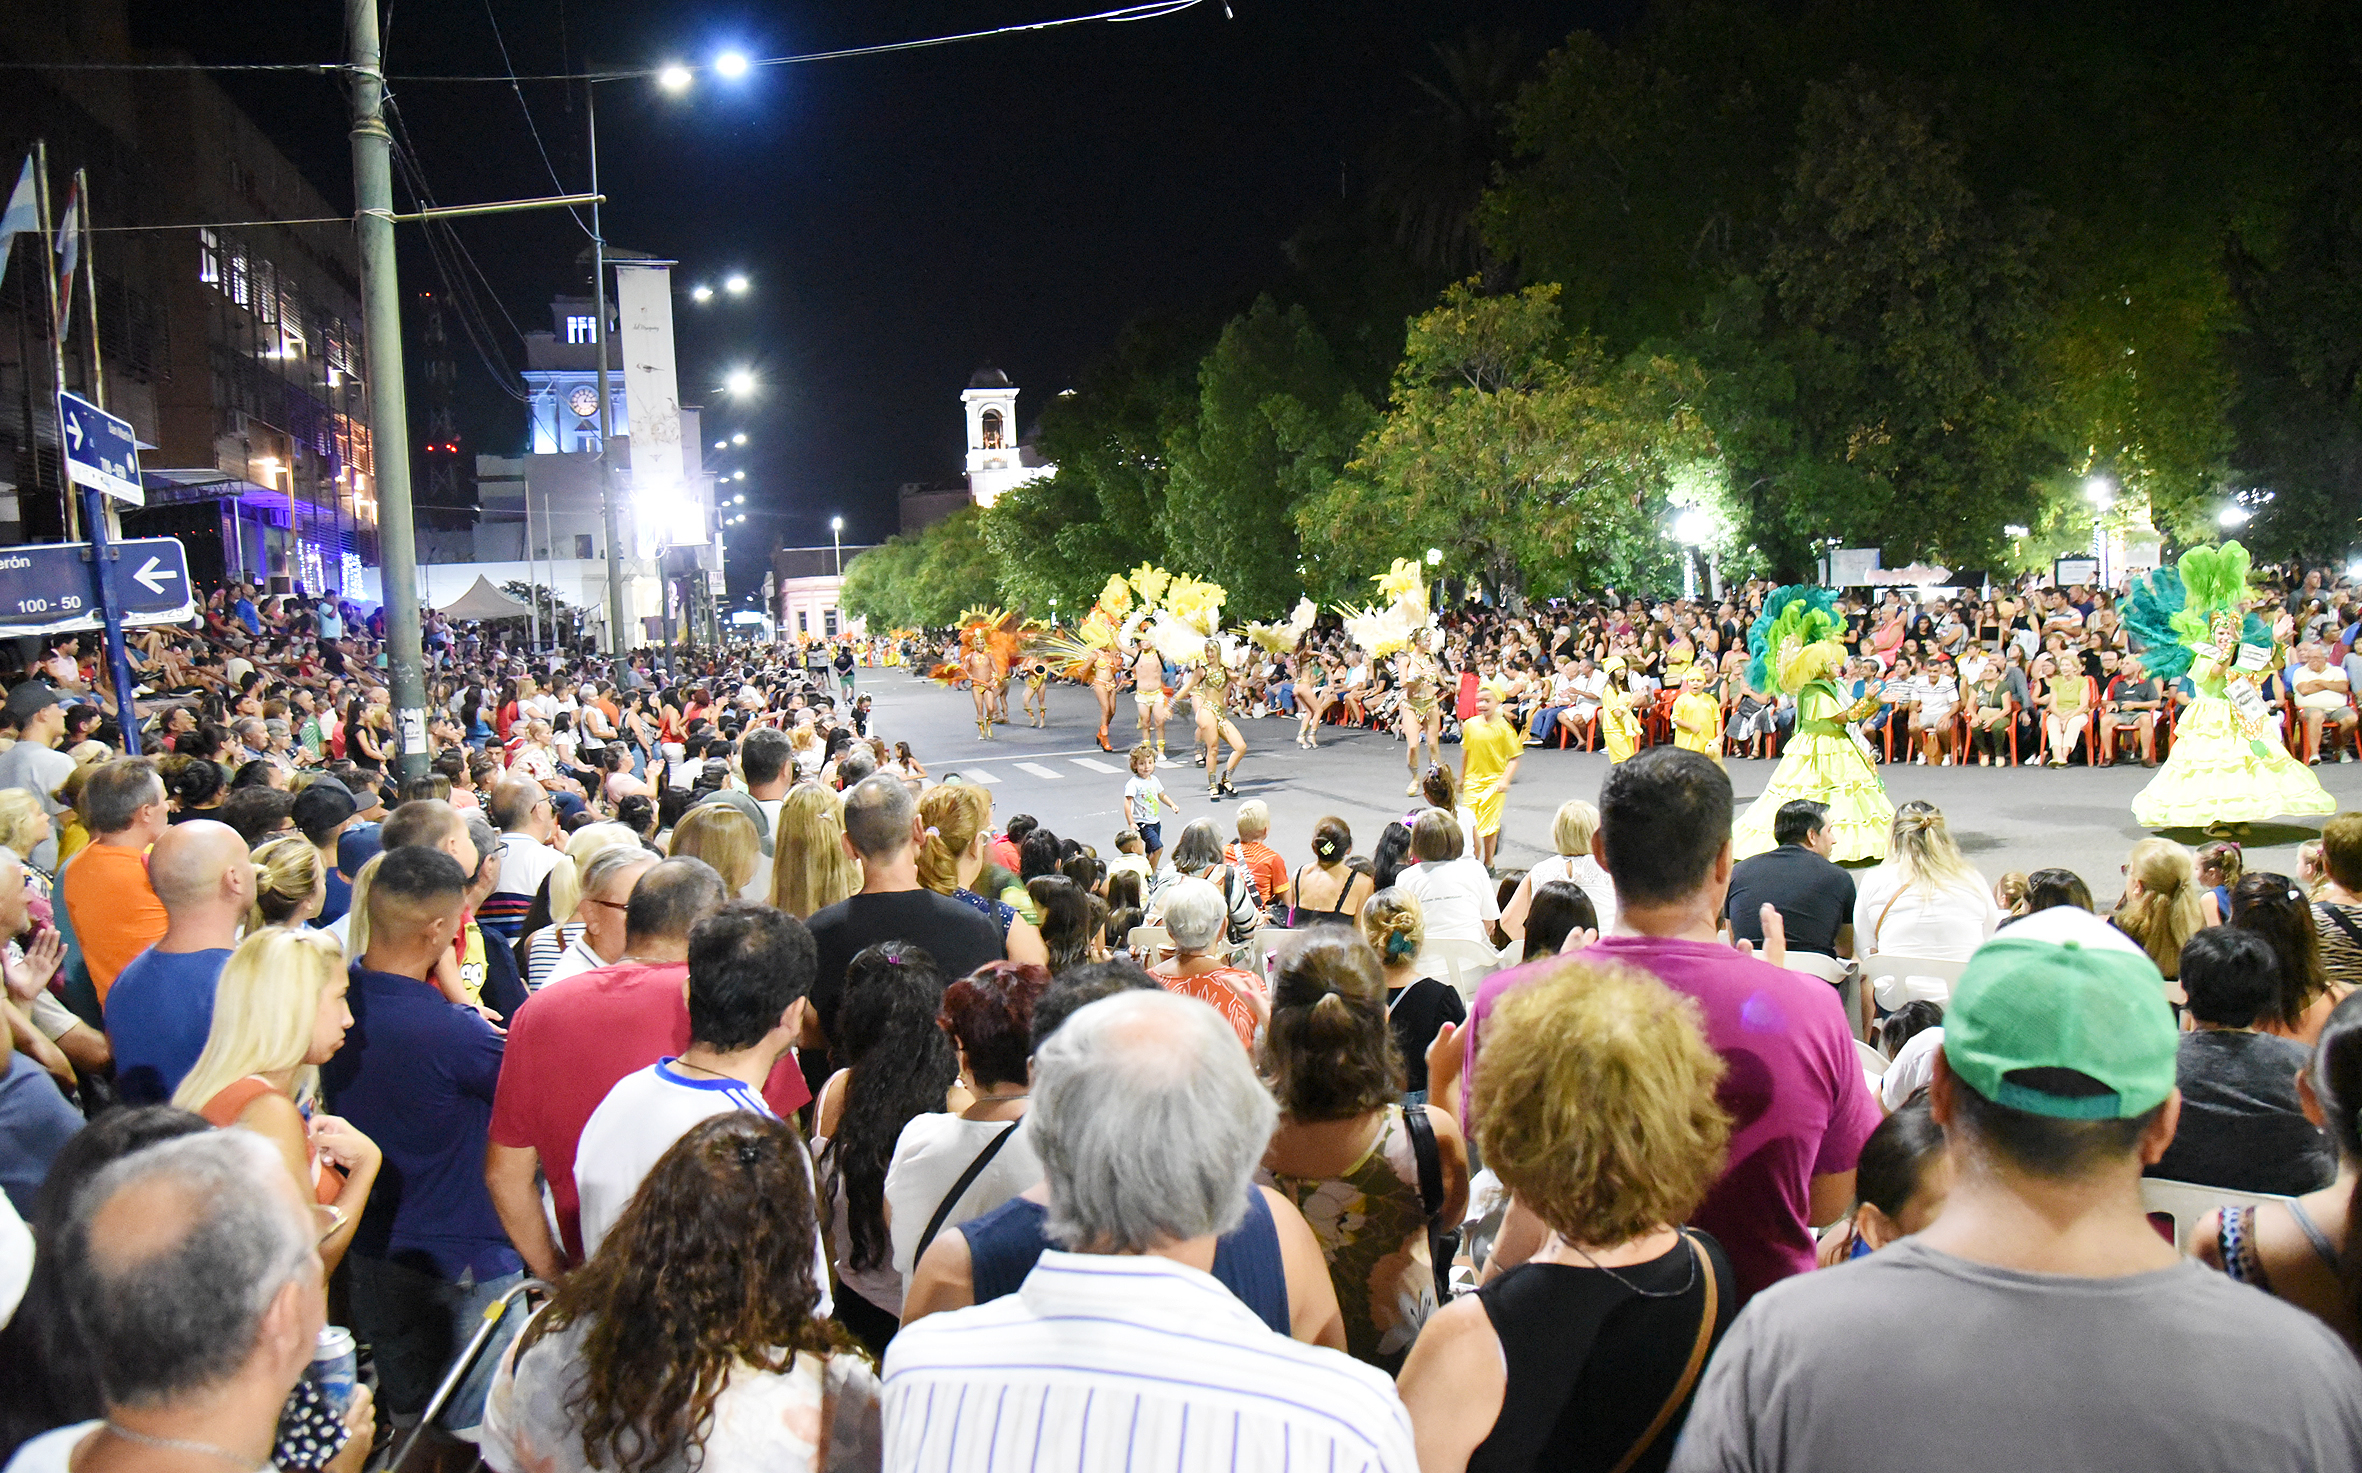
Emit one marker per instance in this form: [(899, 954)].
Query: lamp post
[(1693, 529), (836, 533), (619, 640), (2100, 492)]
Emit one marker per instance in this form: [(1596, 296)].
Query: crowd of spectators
[(768, 1105)]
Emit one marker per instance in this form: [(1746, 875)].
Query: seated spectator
[(1909, 1037), (2050, 888), (899, 1066), (278, 1012), (1571, 835), (1197, 855), (2337, 908), (162, 1006), (1497, 1380), (2298, 1250), (114, 908), (1417, 1006), (750, 978), (1343, 1136), (1560, 910), (2161, 908), (1816, 899), (1270, 1262), (1070, 932), (1902, 1183), (1665, 827), (197, 1299), (2271, 906), (1456, 894), (2056, 1086), (1195, 918), (1327, 891), (2242, 1126), (723, 1228), (1261, 862), (2220, 863), (950, 1167), (1150, 1121), (1926, 899)]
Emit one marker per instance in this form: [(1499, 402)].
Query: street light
[(736, 284), (672, 77), (836, 532), (739, 381), (739, 499), (2014, 530), (739, 438), (2234, 516), (721, 444), (701, 293), (730, 64)]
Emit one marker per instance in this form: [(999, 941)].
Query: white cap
[(2064, 923)]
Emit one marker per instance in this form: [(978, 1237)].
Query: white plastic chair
[(1873, 1062), (1463, 964), (1828, 968), (2186, 1203), (1149, 941), (1895, 978)]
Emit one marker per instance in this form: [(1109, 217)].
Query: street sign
[(101, 451), (45, 588)]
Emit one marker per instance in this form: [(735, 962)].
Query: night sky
[(903, 218)]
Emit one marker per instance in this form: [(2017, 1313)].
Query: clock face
[(584, 401)]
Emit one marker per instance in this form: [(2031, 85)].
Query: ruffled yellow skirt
[(1829, 768), (2214, 774)]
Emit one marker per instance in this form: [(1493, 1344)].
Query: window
[(208, 258), (991, 422), (582, 330), (803, 621), (582, 546), (829, 624)]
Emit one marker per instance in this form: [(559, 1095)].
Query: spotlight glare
[(739, 438), (730, 64), (701, 293), (673, 77), (739, 381), (736, 285)]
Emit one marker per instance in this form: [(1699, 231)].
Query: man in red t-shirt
[(574, 1039)]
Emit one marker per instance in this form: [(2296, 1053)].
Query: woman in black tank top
[(1584, 1358)]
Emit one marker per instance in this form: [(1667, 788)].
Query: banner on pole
[(666, 511)]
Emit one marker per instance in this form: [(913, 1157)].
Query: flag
[(69, 252), (23, 213)]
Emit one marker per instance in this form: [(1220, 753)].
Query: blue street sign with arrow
[(101, 451), (45, 588)]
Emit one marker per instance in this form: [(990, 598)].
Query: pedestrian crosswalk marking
[(1038, 770), (976, 775), (1095, 764)]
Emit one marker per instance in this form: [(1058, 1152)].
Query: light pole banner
[(652, 395)]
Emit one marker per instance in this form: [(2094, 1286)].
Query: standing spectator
[(1925, 899), (1815, 898), (323, 812), (114, 908), (2242, 1126), (2055, 1087), (32, 762), (161, 1006), (528, 822), (607, 883), (1343, 1137), (2337, 910), (416, 1075), (1258, 859), (811, 869), (573, 1040), (722, 1228), (882, 830), (750, 971), (1496, 1379), (1665, 825), (1149, 1121)]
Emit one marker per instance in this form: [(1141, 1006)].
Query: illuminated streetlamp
[(735, 284), (739, 382), (730, 64), (836, 532), (701, 293), (739, 438), (673, 77)]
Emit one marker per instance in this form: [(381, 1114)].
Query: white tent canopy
[(483, 601)]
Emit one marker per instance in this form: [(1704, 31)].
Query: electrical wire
[(453, 265), (538, 146)]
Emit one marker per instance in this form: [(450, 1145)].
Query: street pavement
[(2005, 819)]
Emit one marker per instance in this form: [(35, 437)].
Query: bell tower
[(991, 404)]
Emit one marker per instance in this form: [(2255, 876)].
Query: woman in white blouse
[(1455, 894), (1926, 900), (1570, 835)]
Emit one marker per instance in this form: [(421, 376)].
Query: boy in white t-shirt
[(1145, 799)]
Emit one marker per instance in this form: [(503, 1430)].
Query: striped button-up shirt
[(1138, 1363)]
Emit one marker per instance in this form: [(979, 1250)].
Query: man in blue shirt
[(243, 607), (161, 1006), (417, 1075)]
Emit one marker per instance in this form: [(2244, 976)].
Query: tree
[(1276, 420), (924, 582), (1533, 459)]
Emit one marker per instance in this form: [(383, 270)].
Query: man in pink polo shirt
[(1799, 1107)]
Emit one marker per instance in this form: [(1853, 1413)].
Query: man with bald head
[(199, 1297), (528, 825), (161, 1006)]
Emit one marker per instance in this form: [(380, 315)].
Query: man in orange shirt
[(115, 911), (1257, 858)]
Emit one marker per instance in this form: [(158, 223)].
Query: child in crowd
[(1900, 1184), (1144, 801)]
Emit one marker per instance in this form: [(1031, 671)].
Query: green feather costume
[(1795, 651)]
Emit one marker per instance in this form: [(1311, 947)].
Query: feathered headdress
[(1192, 615), (1282, 639), (1797, 621), (1401, 621), (1150, 581), (1101, 632), (2172, 610)]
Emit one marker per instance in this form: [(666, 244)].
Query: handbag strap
[(1429, 1157), (959, 1188), (2339, 918), (1689, 1373)]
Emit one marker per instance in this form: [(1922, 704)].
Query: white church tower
[(996, 461)]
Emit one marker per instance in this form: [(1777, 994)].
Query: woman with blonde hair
[(290, 885), (724, 838), (2161, 909), (958, 818), (1925, 899), (1604, 1179), (1570, 835), (279, 1013), (810, 869), (1417, 1006)]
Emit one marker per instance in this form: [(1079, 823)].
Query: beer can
[(335, 1369)]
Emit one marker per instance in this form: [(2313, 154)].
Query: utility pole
[(389, 407), (619, 640)]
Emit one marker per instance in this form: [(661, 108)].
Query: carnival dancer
[(1148, 694), (1697, 716), (1209, 686), (1093, 654), (1403, 629), (1795, 651), (2228, 765), (1285, 641), (1105, 669), (1490, 749), (1036, 673), (1619, 726), (976, 664), (1314, 676), (1187, 631)]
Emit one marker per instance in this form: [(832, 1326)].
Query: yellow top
[(1490, 745)]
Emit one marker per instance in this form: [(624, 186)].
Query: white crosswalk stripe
[(1094, 764), (1037, 770), (979, 775)]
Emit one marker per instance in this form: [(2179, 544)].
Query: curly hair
[(709, 1266), (1329, 1053), (900, 1066)]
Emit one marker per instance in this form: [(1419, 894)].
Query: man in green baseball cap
[(2040, 1321)]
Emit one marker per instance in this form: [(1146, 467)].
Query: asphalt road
[(2005, 819)]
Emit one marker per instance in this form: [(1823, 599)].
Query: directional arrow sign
[(45, 588), (101, 451)]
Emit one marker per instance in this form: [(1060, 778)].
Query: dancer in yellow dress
[(1489, 751), (1697, 716), (1619, 725), (2229, 765), (1796, 652)]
